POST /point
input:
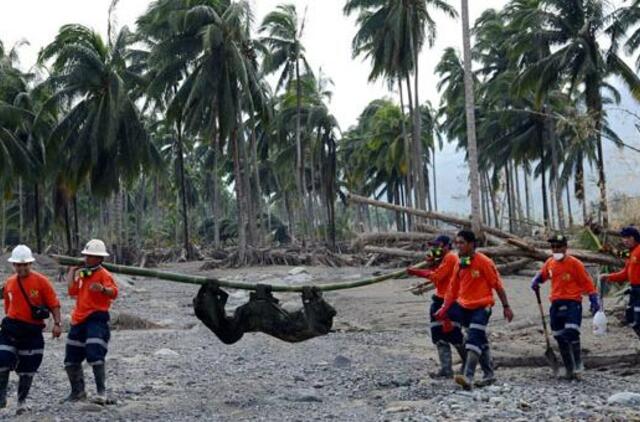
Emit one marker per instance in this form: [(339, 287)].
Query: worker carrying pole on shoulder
[(468, 302), (94, 289), (29, 298), (442, 337), (631, 273), (569, 281)]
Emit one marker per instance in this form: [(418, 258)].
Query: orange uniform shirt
[(631, 270), (441, 276), (87, 301), (40, 292), (569, 279), (472, 287)]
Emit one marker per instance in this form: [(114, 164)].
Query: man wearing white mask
[(569, 281)]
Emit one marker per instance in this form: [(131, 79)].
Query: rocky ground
[(373, 367)]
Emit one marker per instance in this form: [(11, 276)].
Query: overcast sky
[(327, 38)]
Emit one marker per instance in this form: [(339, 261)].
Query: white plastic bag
[(600, 324)]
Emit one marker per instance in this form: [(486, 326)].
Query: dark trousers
[(476, 322), (633, 309), (566, 318), (88, 340), (437, 333), (21, 347)]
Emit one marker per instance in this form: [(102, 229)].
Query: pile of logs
[(292, 255), (511, 253)]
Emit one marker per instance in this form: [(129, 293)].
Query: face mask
[(558, 256)]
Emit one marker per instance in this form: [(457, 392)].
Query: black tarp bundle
[(263, 313)]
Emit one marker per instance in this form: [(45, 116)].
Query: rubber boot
[(577, 359), (4, 383), (463, 356), (76, 380), (100, 377), (24, 386), (486, 363), (465, 380), (567, 358), (444, 353)]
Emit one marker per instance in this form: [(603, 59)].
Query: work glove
[(442, 312), (536, 282), (418, 272), (595, 303), (447, 325)]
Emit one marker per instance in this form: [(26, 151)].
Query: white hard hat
[(21, 254), (95, 247)]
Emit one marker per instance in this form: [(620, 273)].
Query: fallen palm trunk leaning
[(522, 248), (456, 221), (262, 313)]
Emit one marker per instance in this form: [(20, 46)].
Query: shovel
[(549, 355)]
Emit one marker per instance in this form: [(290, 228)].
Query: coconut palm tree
[(472, 147), (204, 59), (574, 29), (285, 53), (102, 131), (392, 34)]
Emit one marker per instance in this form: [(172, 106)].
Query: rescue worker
[(631, 273), (569, 281), (94, 289), (29, 297), (468, 302), (443, 333)]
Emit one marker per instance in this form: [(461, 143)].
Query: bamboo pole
[(199, 280)]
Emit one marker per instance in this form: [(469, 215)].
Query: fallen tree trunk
[(492, 252), (506, 268), (367, 238), (394, 252), (514, 266), (456, 221), (590, 362), (585, 256)]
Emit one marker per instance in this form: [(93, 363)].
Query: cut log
[(513, 267), (492, 252), (394, 252), (368, 238), (450, 219), (590, 362), (585, 256), (506, 268)]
